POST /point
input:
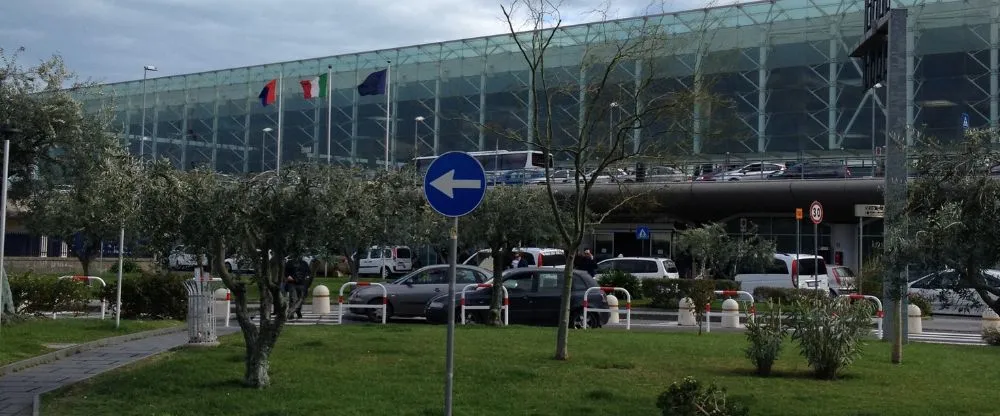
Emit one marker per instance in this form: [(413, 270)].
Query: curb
[(76, 349)]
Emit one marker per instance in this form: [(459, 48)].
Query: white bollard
[(613, 305), (990, 319), (321, 300), (730, 314), (685, 313), (914, 319), (222, 298)]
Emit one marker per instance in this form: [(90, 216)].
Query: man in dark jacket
[(587, 263), (298, 277)]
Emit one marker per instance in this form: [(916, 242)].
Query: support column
[(246, 130), (531, 111), (156, 125), (482, 107), (696, 122), (994, 60), (831, 96), (762, 73), (437, 116), (319, 116), (581, 99), (184, 129), (354, 115), (639, 108), (43, 249), (215, 130), (63, 250), (911, 43)]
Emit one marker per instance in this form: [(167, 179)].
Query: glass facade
[(781, 66)]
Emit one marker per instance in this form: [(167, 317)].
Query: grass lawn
[(28, 338), (399, 370)]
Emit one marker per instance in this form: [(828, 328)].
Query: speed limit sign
[(816, 212)]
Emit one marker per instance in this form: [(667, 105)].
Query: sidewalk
[(18, 390)]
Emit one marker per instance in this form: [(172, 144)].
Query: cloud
[(110, 40)]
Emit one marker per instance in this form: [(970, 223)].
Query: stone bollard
[(914, 319), (613, 305), (990, 319), (222, 298), (730, 314), (685, 313), (321, 300)]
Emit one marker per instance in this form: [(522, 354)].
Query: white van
[(787, 272), (640, 267), (536, 257), (385, 261)]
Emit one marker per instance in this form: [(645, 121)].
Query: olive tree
[(951, 210), (613, 78), (508, 216), (718, 255)]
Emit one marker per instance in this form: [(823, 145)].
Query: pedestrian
[(589, 264), (298, 277)]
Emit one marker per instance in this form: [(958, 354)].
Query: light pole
[(416, 137), (6, 131), (142, 140), (263, 146), (611, 123), (874, 92)]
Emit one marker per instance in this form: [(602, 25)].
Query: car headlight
[(436, 305)]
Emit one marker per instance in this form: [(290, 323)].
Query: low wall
[(68, 265)]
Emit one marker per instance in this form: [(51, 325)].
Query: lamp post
[(416, 137), (874, 92), (611, 123), (142, 140), (263, 144), (6, 131)]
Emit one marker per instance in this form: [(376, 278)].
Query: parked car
[(534, 294), (640, 267), (535, 256), (948, 296), (752, 172), (841, 280), (787, 272), (385, 261), (180, 259), (408, 295), (813, 169)]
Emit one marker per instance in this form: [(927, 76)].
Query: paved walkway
[(17, 390)]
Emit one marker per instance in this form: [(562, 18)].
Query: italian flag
[(315, 87)]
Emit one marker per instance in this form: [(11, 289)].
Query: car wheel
[(375, 314), (471, 317), (593, 321), (733, 179)]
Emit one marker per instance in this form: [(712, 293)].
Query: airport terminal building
[(792, 91)]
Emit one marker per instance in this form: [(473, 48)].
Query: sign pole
[(798, 239), (450, 348), (861, 252), (816, 253)]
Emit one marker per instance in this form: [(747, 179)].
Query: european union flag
[(374, 84)]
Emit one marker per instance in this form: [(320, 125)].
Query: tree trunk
[(565, 301), (496, 300), (85, 264)]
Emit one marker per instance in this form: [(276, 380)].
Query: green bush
[(829, 332), (35, 294), (922, 302), (152, 296), (991, 336), (872, 273), (665, 293), (618, 278), (782, 295), (765, 333), (689, 398), (128, 266)]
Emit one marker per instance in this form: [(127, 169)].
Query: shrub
[(128, 266), (35, 294), (665, 293), (991, 335), (618, 278), (829, 332), (871, 276), (765, 333), (688, 398), (922, 302), (151, 296), (783, 295)]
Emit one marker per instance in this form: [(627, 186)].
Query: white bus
[(499, 162)]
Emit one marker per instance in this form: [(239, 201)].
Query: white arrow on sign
[(447, 183)]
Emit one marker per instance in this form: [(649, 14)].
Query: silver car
[(409, 294)]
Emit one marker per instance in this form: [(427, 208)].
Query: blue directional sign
[(455, 184), (965, 121), (642, 232)]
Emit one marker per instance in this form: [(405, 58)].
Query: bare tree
[(614, 73)]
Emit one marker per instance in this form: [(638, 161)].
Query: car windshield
[(413, 273), (402, 253)]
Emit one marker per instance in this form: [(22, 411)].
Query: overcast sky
[(111, 40)]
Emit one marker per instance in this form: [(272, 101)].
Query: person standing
[(587, 263), (298, 278)]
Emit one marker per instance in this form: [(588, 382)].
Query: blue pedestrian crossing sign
[(455, 184), (965, 121), (642, 232)]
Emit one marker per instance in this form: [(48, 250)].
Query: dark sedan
[(534, 299), (813, 169), (409, 294)]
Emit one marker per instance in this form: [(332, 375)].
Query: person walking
[(298, 278)]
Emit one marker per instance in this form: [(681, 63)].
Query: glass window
[(466, 276), (402, 253), (669, 266), (549, 280), (386, 253), (645, 266), (432, 277), (519, 282), (778, 267), (606, 266), (553, 260), (752, 168), (513, 161), (374, 254), (528, 258), (809, 266)]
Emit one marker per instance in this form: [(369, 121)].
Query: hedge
[(152, 296), (36, 294), (666, 293)]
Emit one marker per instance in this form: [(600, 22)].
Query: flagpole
[(329, 114), (281, 117), (388, 107)]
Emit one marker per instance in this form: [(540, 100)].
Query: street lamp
[(142, 141), (611, 122), (263, 144), (416, 126), (874, 103), (7, 131)]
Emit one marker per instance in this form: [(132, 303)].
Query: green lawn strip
[(27, 339), (398, 370)]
